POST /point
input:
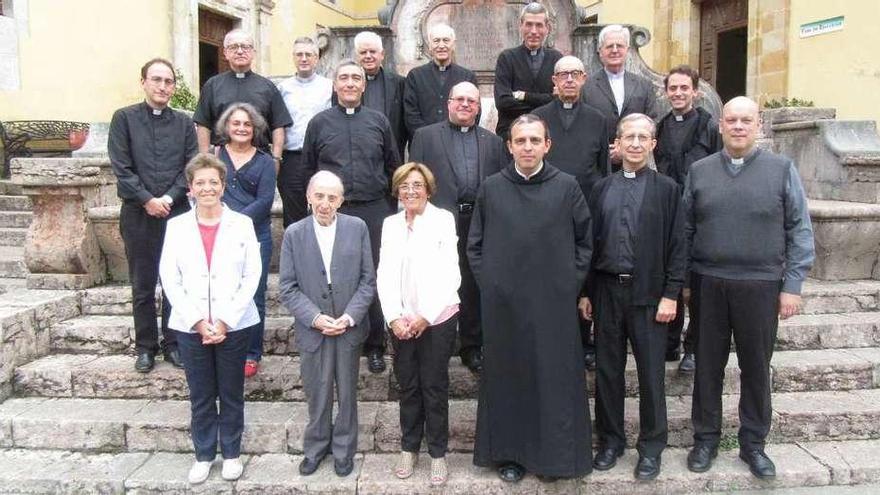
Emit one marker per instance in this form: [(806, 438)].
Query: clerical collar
[(684, 116), (533, 174), (441, 68), (154, 111), (533, 53), (568, 106), (632, 175), (349, 111), (371, 78), (743, 160), (242, 75), (461, 128)]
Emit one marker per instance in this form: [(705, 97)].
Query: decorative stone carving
[(61, 250)]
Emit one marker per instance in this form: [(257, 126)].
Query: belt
[(620, 278), (465, 207)]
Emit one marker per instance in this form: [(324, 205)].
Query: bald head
[(569, 77), (739, 126), (464, 104), (325, 179)]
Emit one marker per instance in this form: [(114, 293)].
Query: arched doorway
[(723, 45)]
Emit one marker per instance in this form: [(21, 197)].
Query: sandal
[(439, 472), (406, 465)]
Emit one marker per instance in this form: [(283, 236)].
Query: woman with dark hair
[(210, 269), (417, 281), (250, 190)]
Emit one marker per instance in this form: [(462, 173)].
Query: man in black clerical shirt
[(428, 86), (149, 145), (357, 144), (637, 274), (461, 155), (240, 84), (613, 90), (523, 73), (580, 146), (686, 134), (384, 91)]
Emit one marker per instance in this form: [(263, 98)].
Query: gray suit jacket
[(303, 281), (638, 97)]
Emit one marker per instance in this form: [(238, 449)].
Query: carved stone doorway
[(723, 45), (212, 28)]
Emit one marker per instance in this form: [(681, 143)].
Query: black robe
[(529, 248)]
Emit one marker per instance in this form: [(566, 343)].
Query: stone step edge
[(807, 465)]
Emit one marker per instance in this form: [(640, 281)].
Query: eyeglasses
[(414, 187), (158, 81), (461, 100), (240, 46), (565, 74), (636, 138)]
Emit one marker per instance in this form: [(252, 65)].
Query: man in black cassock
[(637, 275), (384, 90), (529, 248), (461, 155), (357, 144), (427, 86), (522, 73), (580, 146)]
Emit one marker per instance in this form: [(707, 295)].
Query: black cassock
[(529, 248)]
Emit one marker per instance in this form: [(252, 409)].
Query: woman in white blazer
[(417, 281), (210, 268)]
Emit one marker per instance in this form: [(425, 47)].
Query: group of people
[(585, 223)]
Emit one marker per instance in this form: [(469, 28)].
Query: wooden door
[(716, 17), (212, 28)]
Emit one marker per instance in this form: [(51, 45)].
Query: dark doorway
[(730, 76), (212, 28)]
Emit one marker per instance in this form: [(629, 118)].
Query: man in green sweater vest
[(750, 246)]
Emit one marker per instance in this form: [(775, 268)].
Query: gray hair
[(325, 177), (237, 33), (633, 117), (305, 40), (613, 29), (533, 8), (569, 58), (345, 63), (257, 120), (368, 37), (438, 26)]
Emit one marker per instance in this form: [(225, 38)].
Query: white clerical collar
[(567, 106), (464, 128), (349, 111), (442, 68), (534, 52), (678, 118), (240, 75), (156, 112), (371, 78), (629, 175), (737, 161), (528, 177)]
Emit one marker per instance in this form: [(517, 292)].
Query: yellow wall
[(73, 65), (294, 18), (839, 69)]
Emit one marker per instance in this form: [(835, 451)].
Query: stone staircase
[(15, 217), (82, 420)]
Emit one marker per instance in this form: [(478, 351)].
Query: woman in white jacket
[(210, 268), (417, 281)]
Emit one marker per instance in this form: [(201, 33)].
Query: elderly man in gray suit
[(327, 283)]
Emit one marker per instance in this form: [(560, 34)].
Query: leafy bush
[(183, 98), (786, 102)]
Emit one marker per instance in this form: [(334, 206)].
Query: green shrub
[(183, 98), (786, 102)]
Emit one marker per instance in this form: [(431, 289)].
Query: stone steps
[(821, 465), (143, 425), (15, 219), (12, 236), (12, 262), (107, 334), (113, 376), (820, 297), (14, 203)]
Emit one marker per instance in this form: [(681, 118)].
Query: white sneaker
[(199, 472), (232, 469)]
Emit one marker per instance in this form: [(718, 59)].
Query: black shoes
[(375, 363), (759, 464), (309, 466), (700, 458), (145, 362), (590, 361), (673, 355), (647, 468), (344, 467), (687, 364), (606, 458), (511, 472), (473, 359), (173, 357)]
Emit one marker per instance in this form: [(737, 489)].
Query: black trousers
[(373, 213), (470, 333), (746, 309), (587, 339), (292, 182), (618, 320), (676, 327), (421, 367), (143, 236)]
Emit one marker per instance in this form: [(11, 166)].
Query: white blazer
[(435, 264), (226, 291)]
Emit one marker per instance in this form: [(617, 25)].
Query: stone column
[(61, 249)]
